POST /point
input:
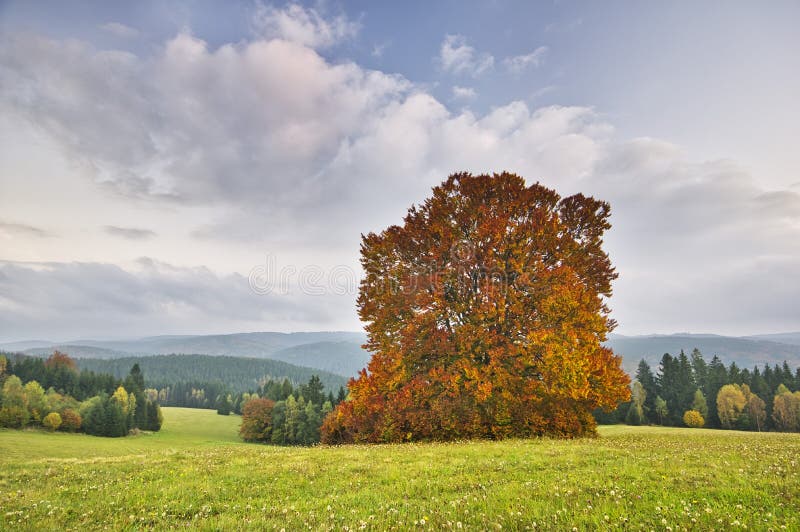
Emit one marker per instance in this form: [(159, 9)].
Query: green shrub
[(13, 417)]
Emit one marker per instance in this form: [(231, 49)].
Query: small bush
[(70, 420), (52, 421), (693, 419), (13, 417)]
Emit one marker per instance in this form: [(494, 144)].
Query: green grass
[(195, 472)]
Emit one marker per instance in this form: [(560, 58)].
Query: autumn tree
[(485, 314), (786, 409), (257, 420), (52, 421), (730, 403), (693, 419), (756, 410), (635, 414), (35, 399), (70, 420), (60, 360)]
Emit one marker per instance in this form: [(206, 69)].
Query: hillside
[(784, 338), (343, 358), (340, 353), (237, 373), (256, 344), (746, 352), (196, 473)]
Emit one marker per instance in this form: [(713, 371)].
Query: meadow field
[(197, 473)]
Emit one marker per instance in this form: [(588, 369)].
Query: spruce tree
[(645, 376), (717, 378)]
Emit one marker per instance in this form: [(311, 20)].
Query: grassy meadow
[(196, 472)]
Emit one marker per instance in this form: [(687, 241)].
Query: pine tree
[(699, 370), (224, 406), (717, 378), (313, 391), (648, 381), (279, 423)]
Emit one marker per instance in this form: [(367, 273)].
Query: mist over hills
[(746, 352), (238, 374), (340, 353)]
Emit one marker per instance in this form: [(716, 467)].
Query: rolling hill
[(746, 352), (340, 353), (237, 373)]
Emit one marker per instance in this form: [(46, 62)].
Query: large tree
[(485, 312)]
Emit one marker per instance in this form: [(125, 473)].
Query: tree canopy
[(485, 312)]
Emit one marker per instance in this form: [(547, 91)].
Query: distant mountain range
[(238, 374), (335, 352), (340, 353), (746, 351)]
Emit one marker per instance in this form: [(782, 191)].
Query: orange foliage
[(485, 312), (70, 420), (60, 360), (256, 419)]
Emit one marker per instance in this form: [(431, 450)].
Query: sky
[(208, 167)]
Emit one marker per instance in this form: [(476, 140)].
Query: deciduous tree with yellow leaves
[(485, 314)]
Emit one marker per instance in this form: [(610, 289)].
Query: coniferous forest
[(55, 395), (690, 391)]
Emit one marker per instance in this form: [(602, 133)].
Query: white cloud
[(298, 152), (302, 25), (9, 229), (464, 93), (129, 233), (120, 30), (241, 123), (457, 57), (519, 63), (78, 299), (378, 49)]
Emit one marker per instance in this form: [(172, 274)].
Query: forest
[(55, 395), (689, 391), (233, 374), (284, 416)]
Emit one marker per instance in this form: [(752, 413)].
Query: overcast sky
[(161, 163)]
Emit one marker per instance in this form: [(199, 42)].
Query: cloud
[(130, 233), (464, 93), (9, 229), (457, 57), (519, 63), (246, 123), (69, 300), (564, 27), (301, 25), (120, 30), (379, 49), (297, 152)]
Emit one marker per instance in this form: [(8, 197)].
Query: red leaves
[(256, 420), (485, 312), (60, 360)]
